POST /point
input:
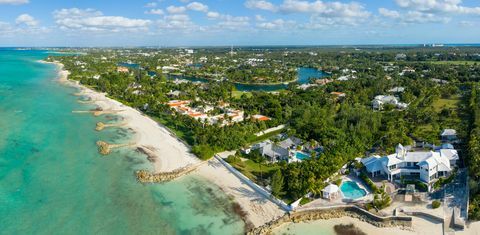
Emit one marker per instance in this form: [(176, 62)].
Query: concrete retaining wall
[(253, 185), (334, 212)]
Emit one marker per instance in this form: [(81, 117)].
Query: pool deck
[(340, 200)]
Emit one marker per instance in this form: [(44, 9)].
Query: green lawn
[(462, 62), (451, 103), (255, 139), (238, 94), (253, 170)]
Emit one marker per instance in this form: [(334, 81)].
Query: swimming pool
[(301, 156), (351, 190)]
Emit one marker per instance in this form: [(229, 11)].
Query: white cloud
[(24, 25), (466, 23), (151, 5), (176, 10), (322, 13), (389, 13), (261, 5), (422, 17), (260, 18), (213, 15), (155, 12), (233, 22), (277, 24), (14, 2), (411, 17), (92, 20), (438, 6), (176, 22), (196, 6), (326, 9), (26, 19)]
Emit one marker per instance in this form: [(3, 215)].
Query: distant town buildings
[(122, 69)]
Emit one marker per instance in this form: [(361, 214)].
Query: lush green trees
[(346, 128), (276, 184)]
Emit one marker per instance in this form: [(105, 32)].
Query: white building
[(330, 192), (449, 136), (425, 166), (380, 100)]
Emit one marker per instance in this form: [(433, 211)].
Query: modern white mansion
[(425, 166)]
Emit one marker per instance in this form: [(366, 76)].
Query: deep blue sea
[(53, 181)]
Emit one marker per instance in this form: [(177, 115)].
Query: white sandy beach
[(420, 226), (260, 210), (170, 153)]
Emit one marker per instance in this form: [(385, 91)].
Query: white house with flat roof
[(380, 100), (426, 166)]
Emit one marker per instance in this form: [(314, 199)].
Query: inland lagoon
[(54, 181)]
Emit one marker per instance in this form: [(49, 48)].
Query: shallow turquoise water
[(319, 227), (351, 190), (53, 181)]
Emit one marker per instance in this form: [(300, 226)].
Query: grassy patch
[(458, 62), (238, 94), (253, 170), (254, 139), (451, 103)]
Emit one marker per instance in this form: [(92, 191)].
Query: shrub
[(204, 152), (368, 182), (305, 200), (436, 204), (381, 199), (338, 182)]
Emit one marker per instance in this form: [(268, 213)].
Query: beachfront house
[(449, 136), (290, 143), (274, 153), (426, 166), (380, 100)]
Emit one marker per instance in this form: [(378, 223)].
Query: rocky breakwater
[(105, 148), (98, 111), (330, 213), (100, 125), (145, 176)]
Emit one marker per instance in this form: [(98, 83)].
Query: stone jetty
[(100, 125), (105, 148), (144, 176)]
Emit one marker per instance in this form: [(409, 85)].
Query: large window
[(392, 167)]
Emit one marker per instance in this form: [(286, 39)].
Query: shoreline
[(148, 133), (167, 153)]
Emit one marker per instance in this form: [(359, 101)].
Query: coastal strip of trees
[(473, 159)]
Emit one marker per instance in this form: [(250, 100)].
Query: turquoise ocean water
[(53, 181)]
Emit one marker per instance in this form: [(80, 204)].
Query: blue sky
[(236, 22)]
